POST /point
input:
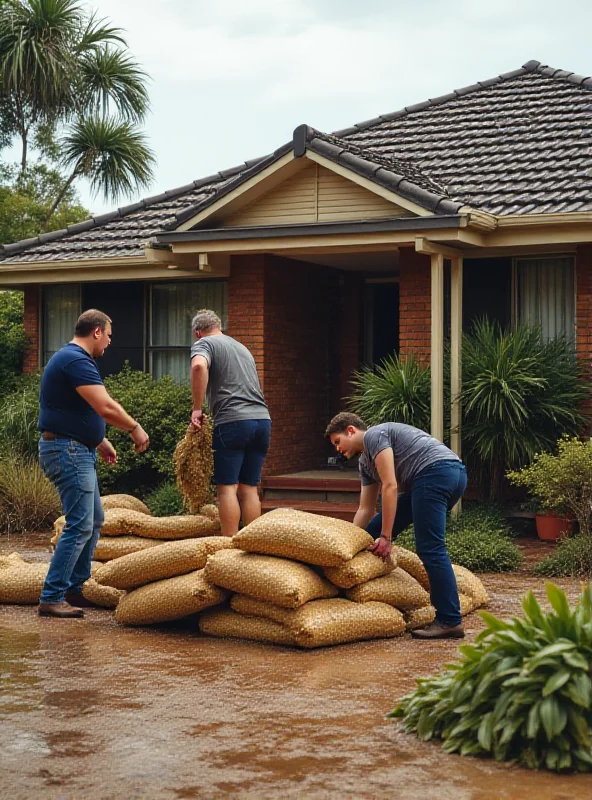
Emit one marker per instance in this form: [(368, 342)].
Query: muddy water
[(89, 709)]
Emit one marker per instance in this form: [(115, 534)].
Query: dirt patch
[(93, 710)]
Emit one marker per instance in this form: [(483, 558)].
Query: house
[(338, 249)]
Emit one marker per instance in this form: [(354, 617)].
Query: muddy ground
[(89, 709)]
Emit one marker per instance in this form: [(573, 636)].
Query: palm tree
[(60, 66)]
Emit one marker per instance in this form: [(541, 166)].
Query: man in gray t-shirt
[(224, 371), (420, 480)]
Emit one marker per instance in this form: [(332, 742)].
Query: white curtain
[(173, 307), (61, 309), (546, 289)]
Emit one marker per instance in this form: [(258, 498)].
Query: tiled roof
[(515, 144)]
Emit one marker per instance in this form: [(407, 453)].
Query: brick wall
[(246, 286), (350, 333), (415, 304), (584, 310), (31, 321)]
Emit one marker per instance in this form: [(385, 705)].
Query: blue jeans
[(71, 467), (435, 491)]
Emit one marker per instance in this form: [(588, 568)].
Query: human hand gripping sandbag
[(301, 536), (194, 465)]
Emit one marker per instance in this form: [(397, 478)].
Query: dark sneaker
[(78, 600), (63, 610), (437, 630)]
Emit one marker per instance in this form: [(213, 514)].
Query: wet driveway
[(89, 709)]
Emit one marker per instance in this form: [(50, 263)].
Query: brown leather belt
[(49, 437)]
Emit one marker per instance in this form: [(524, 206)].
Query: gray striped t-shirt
[(413, 451)]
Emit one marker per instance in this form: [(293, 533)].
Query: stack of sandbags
[(164, 583), (281, 596), (130, 527)]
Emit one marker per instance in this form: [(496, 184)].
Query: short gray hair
[(205, 320)]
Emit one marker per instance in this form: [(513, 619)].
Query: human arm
[(112, 412), (385, 464), (367, 507), (200, 372)]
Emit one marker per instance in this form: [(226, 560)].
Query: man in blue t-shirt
[(73, 409)]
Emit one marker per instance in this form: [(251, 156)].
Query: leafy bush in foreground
[(478, 539), (572, 557), (19, 412), (522, 693)]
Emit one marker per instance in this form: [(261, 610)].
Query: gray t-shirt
[(234, 391), (413, 451)]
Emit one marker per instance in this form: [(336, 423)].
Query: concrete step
[(291, 483), (344, 511)]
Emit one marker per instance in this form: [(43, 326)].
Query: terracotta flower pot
[(550, 527)]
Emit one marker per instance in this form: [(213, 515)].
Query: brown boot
[(63, 610), (437, 630), (78, 600)]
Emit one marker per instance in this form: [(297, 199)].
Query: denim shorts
[(239, 451)]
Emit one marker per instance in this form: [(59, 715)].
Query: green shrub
[(520, 394), (165, 501), (478, 539), (522, 692), (163, 408), (12, 339), (396, 390), (562, 482), (572, 557), (28, 500), (19, 412)]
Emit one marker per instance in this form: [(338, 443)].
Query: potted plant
[(562, 484)]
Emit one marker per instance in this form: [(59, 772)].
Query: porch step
[(297, 483), (344, 511)]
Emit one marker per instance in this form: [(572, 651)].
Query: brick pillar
[(584, 312), (31, 323), (351, 315), (246, 299), (414, 304)]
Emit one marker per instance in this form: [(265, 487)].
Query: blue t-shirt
[(61, 409)]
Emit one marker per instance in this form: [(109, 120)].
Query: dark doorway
[(381, 321), (124, 303), (487, 291)]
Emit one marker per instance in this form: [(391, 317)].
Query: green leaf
[(485, 732), (576, 660), (559, 602), (556, 681), (553, 717)]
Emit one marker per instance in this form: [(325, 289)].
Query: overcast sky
[(231, 79)]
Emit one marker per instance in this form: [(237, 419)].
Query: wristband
[(137, 425), (387, 538)]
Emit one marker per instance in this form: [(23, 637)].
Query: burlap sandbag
[(11, 560), (58, 527), (469, 584), (120, 521), (125, 501), (227, 624), (210, 510), (330, 622), (412, 564), (306, 537), (110, 547), (22, 583), (173, 598), (275, 580), (164, 561), (103, 596), (398, 589), (420, 617), (360, 569), (243, 604), (194, 465)]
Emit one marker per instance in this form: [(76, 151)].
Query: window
[(172, 307), (61, 309), (544, 294)]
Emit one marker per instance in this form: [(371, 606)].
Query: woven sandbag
[(412, 564), (11, 560), (360, 569), (194, 465), (104, 596), (306, 537), (163, 561), (120, 521), (58, 526), (467, 604), (243, 604), (111, 547), (276, 580), (22, 583), (210, 510), (468, 583), (227, 624), (419, 617), (330, 622), (125, 501), (398, 589), (173, 598)]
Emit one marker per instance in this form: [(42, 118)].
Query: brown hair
[(89, 321), (342, 421)]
